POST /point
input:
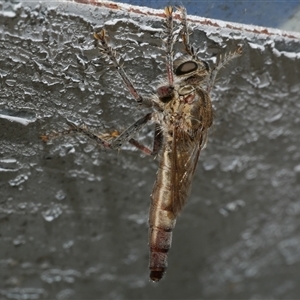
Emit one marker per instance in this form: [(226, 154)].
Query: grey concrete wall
[(74, 216)]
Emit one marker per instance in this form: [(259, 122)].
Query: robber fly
[(182, 113)]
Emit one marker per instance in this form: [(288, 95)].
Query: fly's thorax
[(189, 110)]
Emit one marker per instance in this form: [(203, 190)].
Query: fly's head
[(189, 74)]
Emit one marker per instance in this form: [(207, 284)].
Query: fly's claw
[(169, 17), (233, 54), (107, 52), (102, 42), (239, 50), (101, 35), (109, 136), (168, 11), (47, 137), (228, 57), (181, 9)]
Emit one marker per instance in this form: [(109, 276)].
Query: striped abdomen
[(161, 219)]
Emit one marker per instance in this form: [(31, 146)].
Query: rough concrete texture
[(74, 216)]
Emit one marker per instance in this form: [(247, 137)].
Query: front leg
[(169, 43), (222, 60), (185, 35), (111, 54)]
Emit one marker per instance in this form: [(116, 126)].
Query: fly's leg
[(185, 35), (221, 62), (77, 129), (117, 142), (157, 143), (111, 54), (127, 135), (132, 130), (166, 92), (118, 139), (169, 41)]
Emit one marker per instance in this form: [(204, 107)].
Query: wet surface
[(74, 217)]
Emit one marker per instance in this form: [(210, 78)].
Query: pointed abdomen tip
[(156, 276)]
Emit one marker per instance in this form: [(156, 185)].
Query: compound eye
[(186, 68)]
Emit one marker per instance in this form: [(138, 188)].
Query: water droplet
[(89, 148), (68, 244), (251, 271), (52, 213), (273, 114), (22, 205), (57, 275), (251, 173), (65, 294), (138, 218), (297, 169), (131, 258), (235, 205), (19, 179), (20, 116), (231, 207), (9, 165), (275, 133), (10, 82), (223, 212), (229, 163), (290, 249), (210, 163), (60, 195), (282, 177), (24, 293), (20, 240)]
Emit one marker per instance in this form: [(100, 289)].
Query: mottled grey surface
[(74, 217)]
